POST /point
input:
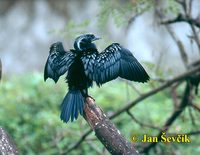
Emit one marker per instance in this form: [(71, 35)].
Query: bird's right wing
[(58, 61)]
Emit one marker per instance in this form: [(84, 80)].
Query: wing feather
[(115, 61), (58, 61)]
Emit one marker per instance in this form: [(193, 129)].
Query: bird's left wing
[(58, 61), (114, 61)]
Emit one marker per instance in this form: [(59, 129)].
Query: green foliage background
[(30, 112)]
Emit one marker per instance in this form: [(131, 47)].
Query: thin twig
[(189, 7), (174, 96), (142, 124), (191, 133), (191, 116), (74, 146), (195, 106), (196, 37), (131, 20), (188, 13), (180, 45), (94, 147), (133, 87), (157, 79), (194, 64)]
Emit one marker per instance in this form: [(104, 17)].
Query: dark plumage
[(84, 64)]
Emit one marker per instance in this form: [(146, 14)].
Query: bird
[(85, 65)]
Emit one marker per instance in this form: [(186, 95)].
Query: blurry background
[(30, 108), (28, 28)]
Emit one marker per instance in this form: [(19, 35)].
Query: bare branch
[(183, 3), (174, 96), (188, 11), (7, 146), (94, 147), (180, 45), (191, 116), (196, 37), (74, 146), (157, 79), (105, 130), (195, 106), (189, 7), (194, 64), (131, 20), (132, 86), (142, 124), (191, 133), (182, 18)]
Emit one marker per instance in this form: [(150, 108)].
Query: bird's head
[(84, 42)]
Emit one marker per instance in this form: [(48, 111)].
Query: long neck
[(84, 46), (91, 46)]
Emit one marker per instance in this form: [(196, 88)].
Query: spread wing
[(114, 61), (58, 61)]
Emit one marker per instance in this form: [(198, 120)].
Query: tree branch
[(105, 130), (192, 116), (195, 106), (191, 133), (196, 36), (182, 18), (195, 64), (180, 45), (7, 147)]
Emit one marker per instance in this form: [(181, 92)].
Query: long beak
[(96, 38)]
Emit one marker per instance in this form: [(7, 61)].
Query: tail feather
[(75, 109), (72, 105)]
